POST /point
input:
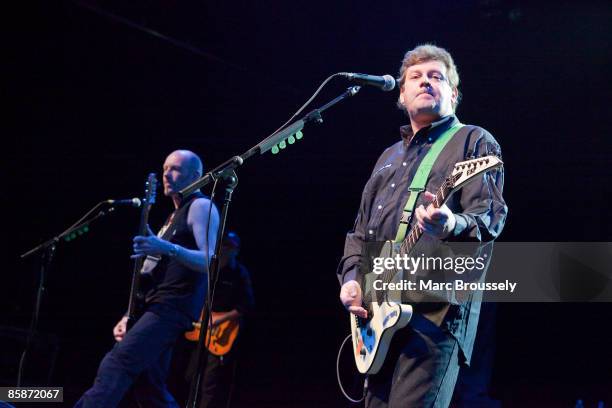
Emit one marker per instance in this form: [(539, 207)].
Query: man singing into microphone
[(423, 361), (141, 357)]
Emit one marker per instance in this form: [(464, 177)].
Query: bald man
[(176, 266)]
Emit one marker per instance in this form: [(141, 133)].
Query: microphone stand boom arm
[(267, 144)]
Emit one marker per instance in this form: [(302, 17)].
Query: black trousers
[(217, 376), (218, 381), (420, 370), (140, 361)]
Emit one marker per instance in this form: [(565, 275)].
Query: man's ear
[(455, 96)]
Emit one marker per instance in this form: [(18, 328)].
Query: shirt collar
[(442, 124)]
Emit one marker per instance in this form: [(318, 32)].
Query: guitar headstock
[(467, 170), (150, 189)]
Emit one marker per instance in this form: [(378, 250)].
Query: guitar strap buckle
[(406, 217)]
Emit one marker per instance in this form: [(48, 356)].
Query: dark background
[(96, 103)]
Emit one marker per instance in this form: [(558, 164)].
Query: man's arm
[(197, 219), (349, 266), (483, 209), (220, 317), (349, 273), (477, 212), (195, 259)]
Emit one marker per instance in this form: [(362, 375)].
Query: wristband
[(174, 250)]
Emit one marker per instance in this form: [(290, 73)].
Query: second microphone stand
[(213, 274)]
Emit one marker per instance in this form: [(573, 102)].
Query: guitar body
[(220, 338), (372, 336)]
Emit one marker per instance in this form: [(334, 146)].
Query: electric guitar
[(136, 302), (220, 338), (372, 336)]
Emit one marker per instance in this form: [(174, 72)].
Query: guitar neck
[(136, 298), (138, 262)]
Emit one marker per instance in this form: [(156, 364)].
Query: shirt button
[(429, 140), (380, 207), (371, 232), (404, 164), (393, 185)]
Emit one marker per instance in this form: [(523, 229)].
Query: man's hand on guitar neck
[(150, 245), (350, 296), (220, 317), (120, 329)]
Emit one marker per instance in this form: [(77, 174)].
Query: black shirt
[(175, 284), (234, 290)]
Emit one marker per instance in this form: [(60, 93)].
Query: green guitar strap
[(420, 179)]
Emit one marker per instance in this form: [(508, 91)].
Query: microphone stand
[(202, 349), (274, 142), (47, 250)]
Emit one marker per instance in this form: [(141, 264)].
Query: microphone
[(134, 202), (385, 82)]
